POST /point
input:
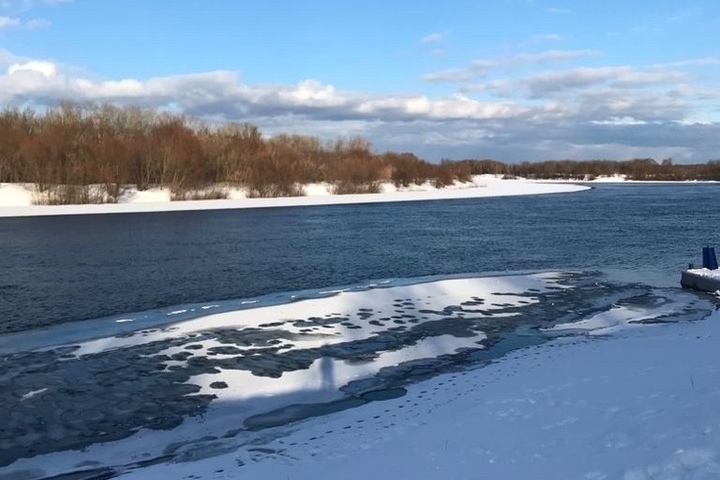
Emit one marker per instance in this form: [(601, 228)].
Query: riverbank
[(338, 386), (17, 200)]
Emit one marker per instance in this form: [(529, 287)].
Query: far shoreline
[(12, 205)]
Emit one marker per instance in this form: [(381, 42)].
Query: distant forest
[(90, 154)]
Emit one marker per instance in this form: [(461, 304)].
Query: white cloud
[(546, 37), (47, 69), (605, 112), (21, 7), (450, 75), (37, 23), (432, 38), (7, 58), (482, 67), (553, 56), (477, 68), (8, 22), (690, 62), (547, 84)]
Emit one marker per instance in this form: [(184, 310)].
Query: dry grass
[(350, 188), (210, 193), (77, 194), (276, 190)]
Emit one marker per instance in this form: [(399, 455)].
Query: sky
[(512, 80)]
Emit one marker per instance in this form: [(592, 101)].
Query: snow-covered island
[(18, 200)]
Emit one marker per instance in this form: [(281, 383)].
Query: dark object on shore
[(702, 279)]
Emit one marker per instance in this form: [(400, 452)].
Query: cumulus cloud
[(605, 112), (46, 69), (226, 96)]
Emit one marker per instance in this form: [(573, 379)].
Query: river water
[(65, 269)]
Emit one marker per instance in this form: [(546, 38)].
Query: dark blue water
[(64, 269)]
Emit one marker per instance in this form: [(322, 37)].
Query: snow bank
[(639, 406), (12, 195), (16, 201), (704, 272)]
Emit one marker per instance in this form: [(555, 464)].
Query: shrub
[(210, 193), (77, 194), (267, 190), (348, 188)]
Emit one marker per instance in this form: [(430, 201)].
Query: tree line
[(90, 154)]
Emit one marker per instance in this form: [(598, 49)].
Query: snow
[(151, 195), (610, 179), (17, 200), (704, 272), (13, 195), (641, 405), (611, 398)]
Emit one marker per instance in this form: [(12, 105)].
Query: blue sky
[(511, 79)]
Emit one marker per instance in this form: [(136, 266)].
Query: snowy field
[(17, 200), (557, 375)]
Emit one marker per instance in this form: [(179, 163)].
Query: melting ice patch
[(352, 316), (649, 308)]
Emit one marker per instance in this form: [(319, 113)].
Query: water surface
[(64, 269)]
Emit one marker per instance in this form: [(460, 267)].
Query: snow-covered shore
[(640, 405), (17, 200), (613, 397)]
